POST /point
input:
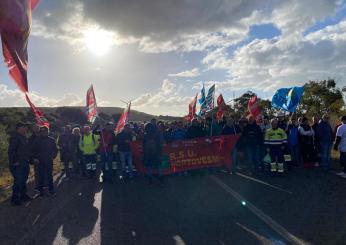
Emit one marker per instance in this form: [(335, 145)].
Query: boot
[(273, 167), (280, 167)]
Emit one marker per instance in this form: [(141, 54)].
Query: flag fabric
[(287, 99), (91, 106), (222, 107), (209, 101), (15, 26), (254, 107), (202, 99), (192, 109), (41, 120), (123, 119)]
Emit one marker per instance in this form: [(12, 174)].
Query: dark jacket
[(195, 132), (227, 130), (324, 133), (292, 134), (123, 140), (45, 149), (252, 135), (66, 146), (18, 149), (152, 149), (106, 141)]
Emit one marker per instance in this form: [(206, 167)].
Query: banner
[(41, 120), (180, 156), (287, 99), (123, 119), (15, 25), (91, 106)]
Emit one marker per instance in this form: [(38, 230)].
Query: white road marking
[(263, 183), (262, 216)]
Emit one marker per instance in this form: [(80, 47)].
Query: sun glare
[(98, 41)]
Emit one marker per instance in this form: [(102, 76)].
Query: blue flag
[(287, 99), (208, 103), (202, 99)]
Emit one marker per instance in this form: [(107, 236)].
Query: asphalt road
[(304, 207)]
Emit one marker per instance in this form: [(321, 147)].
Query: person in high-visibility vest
[(88, 144), (275, 140)]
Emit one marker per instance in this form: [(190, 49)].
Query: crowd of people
[(272, 146)]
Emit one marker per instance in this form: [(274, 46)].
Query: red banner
[(91, 105), (41, 120), (123, 119), (180, 156)]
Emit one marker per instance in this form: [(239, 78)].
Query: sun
[(98, 41)]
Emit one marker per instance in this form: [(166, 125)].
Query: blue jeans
[(126, 159), (20, 175), (252, 155), (106, 161), (325, 149)]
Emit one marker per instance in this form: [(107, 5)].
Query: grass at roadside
[(6, 179)]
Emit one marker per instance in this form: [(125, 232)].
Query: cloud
[(166, 101), (189, 73)]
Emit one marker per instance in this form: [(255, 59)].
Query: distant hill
[(61, 115)]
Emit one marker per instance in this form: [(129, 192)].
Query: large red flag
[(15, 26), (222, 107), (91, 106), (254, 107), (41, 120), (192, 109), (123, 119)]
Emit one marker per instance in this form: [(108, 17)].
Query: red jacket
[(106, 141)]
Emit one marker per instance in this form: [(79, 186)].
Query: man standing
[(275, 140), (88, 144), (33, 160), (46, 150), (253, 140), (18, 155), (324, 133), (106, 151), (340, 143), (65, 143), (123, 140)]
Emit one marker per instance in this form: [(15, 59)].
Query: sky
[(159, 53)]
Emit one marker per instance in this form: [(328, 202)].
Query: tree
[(321, 97)]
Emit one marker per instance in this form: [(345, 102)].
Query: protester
[(18, 155), (195, 130), (293, 141), (306, 139), (324, 134), (212, 127), (152, 149), (33, 160), (340, 144), (123, 140), (77, 154), (275, 140), (231, 128), (106, 151), (88, 144), (282, 121), (46, 150), (316, 148), (65, 143), (252, 139), (178, 131), (265, 125)]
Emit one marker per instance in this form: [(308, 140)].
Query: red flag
[(15, 25), (41, 120), (91, 106), (254, 108), (123, 119), (222, 107), (192, 109)]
